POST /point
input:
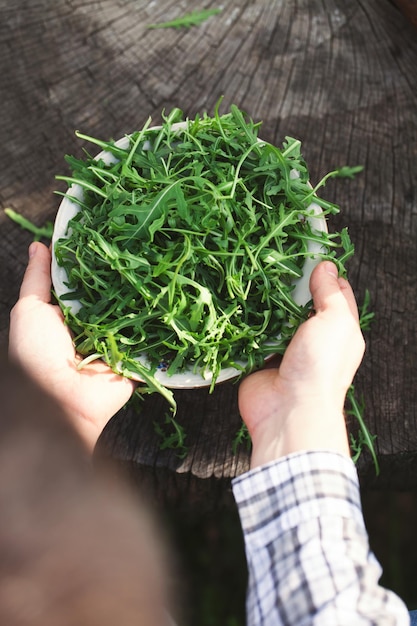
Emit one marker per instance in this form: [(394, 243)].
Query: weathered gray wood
[(341, 76)]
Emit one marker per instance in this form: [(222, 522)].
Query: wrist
[(300, 429)]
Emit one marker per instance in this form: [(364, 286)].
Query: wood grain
[(409, 8), (340, 76)]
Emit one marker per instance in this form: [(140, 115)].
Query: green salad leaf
[(38, 232), (186, 21)]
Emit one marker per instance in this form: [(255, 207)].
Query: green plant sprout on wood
[(187, 21), (39, 232)]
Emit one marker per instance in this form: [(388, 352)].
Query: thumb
[(331, 292), (37, 278)]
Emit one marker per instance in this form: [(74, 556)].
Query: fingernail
[(32, 249), (332, 269)]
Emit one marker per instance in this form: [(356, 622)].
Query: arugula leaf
[(366, 317), (172, 436), (38, 231), (348, 171), (356, 408), (186, 21)]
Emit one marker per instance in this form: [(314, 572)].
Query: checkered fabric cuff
[(299, 487)]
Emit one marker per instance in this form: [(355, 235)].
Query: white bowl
[(187, 379)]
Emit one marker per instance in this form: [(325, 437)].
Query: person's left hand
[(41, 343)]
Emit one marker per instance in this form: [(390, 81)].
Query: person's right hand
[(41, 343), (299, 406)]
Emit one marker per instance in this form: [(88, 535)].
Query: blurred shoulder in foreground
[(74, 548)]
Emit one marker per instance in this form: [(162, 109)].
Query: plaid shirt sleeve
[(307, 547)]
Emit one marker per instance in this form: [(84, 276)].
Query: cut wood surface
[(340, 76)]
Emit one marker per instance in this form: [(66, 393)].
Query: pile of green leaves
[(187, 247)]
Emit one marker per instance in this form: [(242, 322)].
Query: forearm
[(307, 547)]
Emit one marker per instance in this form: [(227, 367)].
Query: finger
[(347, 291), (330, 291), (37, 278)]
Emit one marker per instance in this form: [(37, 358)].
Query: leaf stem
[(38, 231)]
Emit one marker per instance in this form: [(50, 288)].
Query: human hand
[(41, 343), (299, 406)]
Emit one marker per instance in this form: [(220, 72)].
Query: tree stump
[(339, 76)]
